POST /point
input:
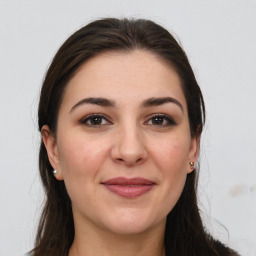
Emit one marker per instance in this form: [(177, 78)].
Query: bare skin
[(122, 115), (148, 244)]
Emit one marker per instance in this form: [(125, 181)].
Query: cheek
[(171, 160), (171, 155), (81, 159), (81, 156)]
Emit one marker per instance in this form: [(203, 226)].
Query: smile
[(129, 188)]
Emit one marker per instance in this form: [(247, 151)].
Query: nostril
[(128, 152), (139, 160), (129, 161)]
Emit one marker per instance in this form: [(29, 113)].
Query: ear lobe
[(193, 153), (52, 150)]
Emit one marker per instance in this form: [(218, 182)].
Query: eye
[(161, 120), (95, 120)]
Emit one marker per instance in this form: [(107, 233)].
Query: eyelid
[(169, 119), (88, 117)]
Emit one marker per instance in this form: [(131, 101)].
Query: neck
[(95, 242)]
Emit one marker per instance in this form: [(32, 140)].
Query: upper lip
[(128, 181)]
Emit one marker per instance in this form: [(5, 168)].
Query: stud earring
[(55, 172), (192, 165)]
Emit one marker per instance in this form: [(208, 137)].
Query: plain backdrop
[(220, 40)]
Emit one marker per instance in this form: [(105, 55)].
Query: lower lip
[(129, 191)]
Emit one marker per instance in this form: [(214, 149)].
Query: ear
[(52, 150), (193, 152)]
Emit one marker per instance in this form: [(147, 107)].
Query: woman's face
[(123, 142)]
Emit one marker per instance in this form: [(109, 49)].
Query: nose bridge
[(129, 146)]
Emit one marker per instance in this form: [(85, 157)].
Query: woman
[(121, 115)]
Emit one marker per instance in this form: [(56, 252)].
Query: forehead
[(124, 76)]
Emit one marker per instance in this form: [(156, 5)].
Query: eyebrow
[(110, 103), (95, 101), (160, 101)]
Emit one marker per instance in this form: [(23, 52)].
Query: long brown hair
[(185, 234)]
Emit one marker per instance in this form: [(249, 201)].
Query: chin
[(131, 224), (129, 229)]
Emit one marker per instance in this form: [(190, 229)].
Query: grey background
[(220, 40)]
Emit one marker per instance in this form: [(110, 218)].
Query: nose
[(129, 147)]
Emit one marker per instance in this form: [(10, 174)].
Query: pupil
[(96, 120), (158, 120)]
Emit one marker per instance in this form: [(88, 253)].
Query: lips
[(129, 188)]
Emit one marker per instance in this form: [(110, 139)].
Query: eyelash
[(90, 117), (170, 121), (164, 118)]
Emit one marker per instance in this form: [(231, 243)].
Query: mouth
[(129, 188)]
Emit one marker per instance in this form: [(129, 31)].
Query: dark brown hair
[(185, 234)]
